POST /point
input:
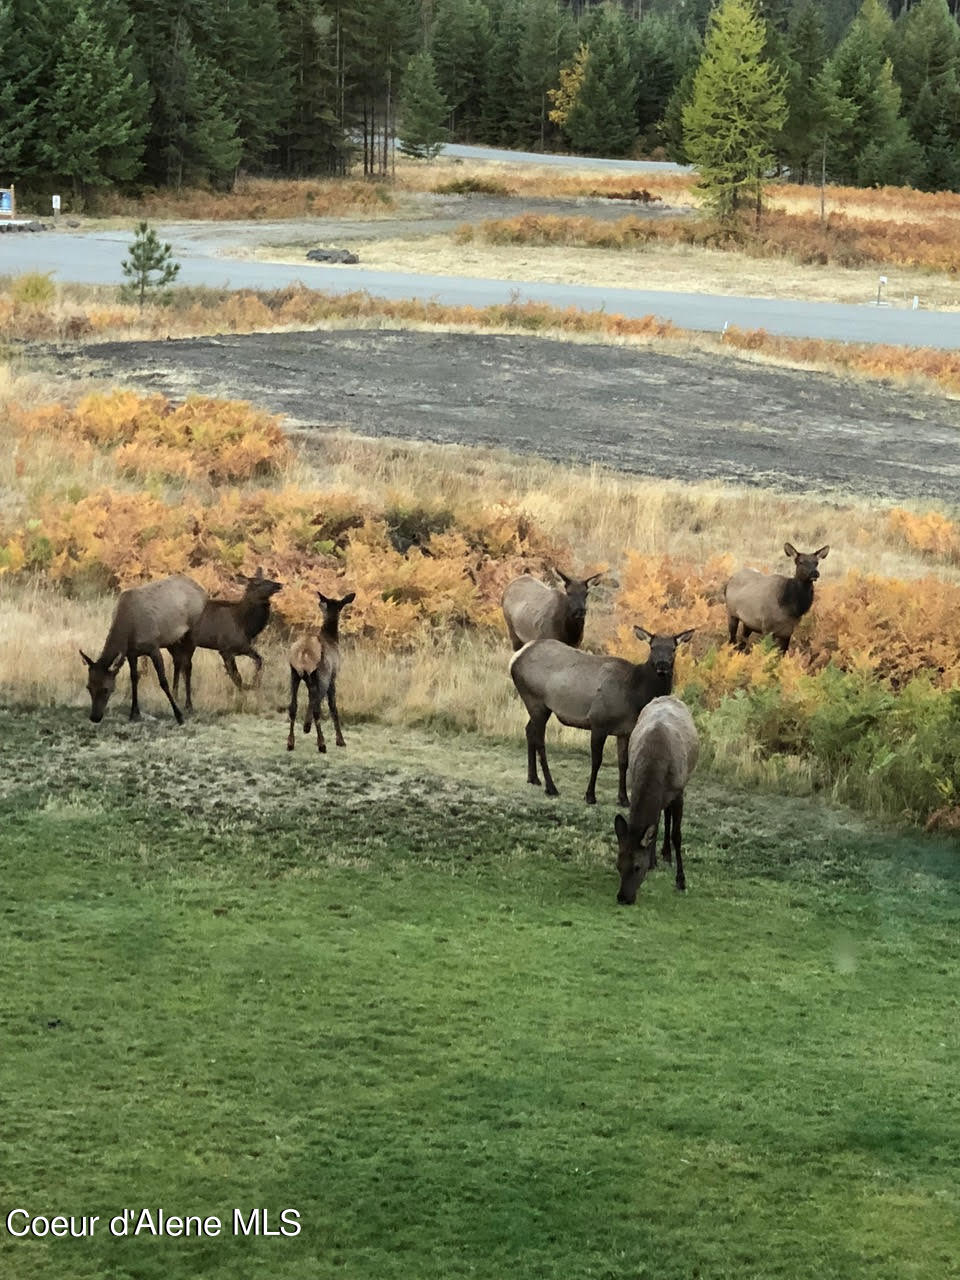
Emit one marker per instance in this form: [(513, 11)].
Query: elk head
[(101, 681), (635, 852), (807, 565)]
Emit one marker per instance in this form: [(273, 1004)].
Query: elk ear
[(562, 576), (348, 598), (642, 634), (118, 664), (89, 661), (593, 579), (259, 573), (322, 598), (790, 550), (822, 553), (621, 830), (684, 636)]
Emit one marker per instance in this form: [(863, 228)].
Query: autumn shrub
[(930, 532), (472, 186), (893, 630), (220, 441), (250, 199), (34, 288), (840, 240)]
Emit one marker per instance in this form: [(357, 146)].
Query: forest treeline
[(95, 93)]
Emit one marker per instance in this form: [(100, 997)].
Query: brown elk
[(315, 659), (229, 627), (147, 619), (589, 691), (662, 755), (534, 611), (772, 603)]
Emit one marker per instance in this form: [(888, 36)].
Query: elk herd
[(657, 744)]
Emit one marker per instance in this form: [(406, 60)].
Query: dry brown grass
[(801, 239), (254, 199), (679, 268), (600, 515), (77, 313)]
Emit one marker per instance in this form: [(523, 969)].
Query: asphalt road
[(494, 156), (94, 258)]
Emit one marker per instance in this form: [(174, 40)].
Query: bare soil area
[(689, 417)]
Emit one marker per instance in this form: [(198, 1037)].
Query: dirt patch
[(691, 417)]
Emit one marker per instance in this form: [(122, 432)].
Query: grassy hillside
[(390, 988)]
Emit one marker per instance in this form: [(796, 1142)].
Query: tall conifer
[(736, 110)]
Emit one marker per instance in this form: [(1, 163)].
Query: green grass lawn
[(390, 988)]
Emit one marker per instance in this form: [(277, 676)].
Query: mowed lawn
[(390, 988)]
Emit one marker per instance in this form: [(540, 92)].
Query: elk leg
[(316, 706), (597, 741), (677, 808), (182, 655), (665, 853), (156, 657), (623, 751), (230, 666), (257, 668), (134, 680), (734, 623), (537, 749), (294, 690), (784, 643), (334, 716), (187, 679)]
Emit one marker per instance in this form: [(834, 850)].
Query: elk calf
[(147, 619), (662, 754), (772, 603), (229, 627), (315, 659), (534, 611), (589, 691)]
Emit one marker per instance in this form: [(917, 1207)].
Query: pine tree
[(546, 43), (423, 109), (927, 68), (663, 51), (736, 110), (150, 267), (19, 92), (193, 137), (503, 105), (91, 130), (876, 148), (310, 137), (603, 117), (800, 138), (461, 43)]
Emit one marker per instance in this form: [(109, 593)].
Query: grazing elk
[(534, 611), (662, 754), (589, 691), (147, 619), (229, 627), (315, 659), (772, 603)]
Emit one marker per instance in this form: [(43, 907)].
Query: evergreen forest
[(173, 93)]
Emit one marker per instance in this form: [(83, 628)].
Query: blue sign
[(6, 201)]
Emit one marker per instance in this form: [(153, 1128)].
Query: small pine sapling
[(149, 269)]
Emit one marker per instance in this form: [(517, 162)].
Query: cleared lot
[(690, 417)]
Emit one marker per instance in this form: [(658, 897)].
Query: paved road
[(95, 259), (495, 156)]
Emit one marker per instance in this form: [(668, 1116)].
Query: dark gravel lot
[(689, 417)]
